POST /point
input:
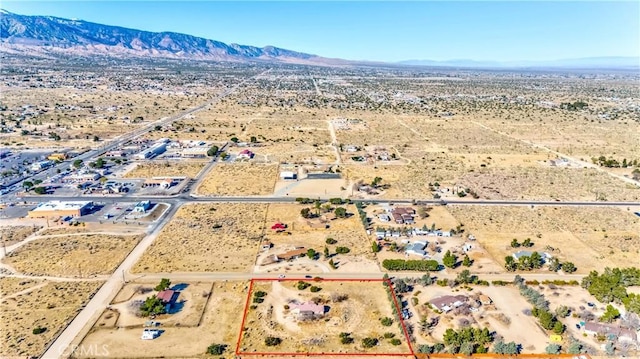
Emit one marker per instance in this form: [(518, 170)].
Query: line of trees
[(410, 265), (610, 286)]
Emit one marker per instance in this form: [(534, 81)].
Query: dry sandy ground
[(507, 301), (313, 188), (359, 315), (548, 183), (48, 305), (239, 179), (298, 153), (15, 234), (571, 234), (166, 169), (64, 228), (207, 238), (220, 324), (72, 255)]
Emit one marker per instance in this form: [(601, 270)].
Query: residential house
[(307, 311), (611, 332), (403, 215), (448, 302), (245, 154), (286, 256), (417, 248)]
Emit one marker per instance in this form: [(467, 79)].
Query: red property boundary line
[(318, 279)]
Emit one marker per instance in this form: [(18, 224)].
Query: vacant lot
[(239, 179), (166, 169), (548, 183), (609, 239), (207, 238), (220, 324), (72, 255), (14, 234), (358, 312), (47, 305)]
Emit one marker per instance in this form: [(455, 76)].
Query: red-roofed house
[(246, 154), (167, 296)]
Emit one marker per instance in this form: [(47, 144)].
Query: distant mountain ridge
[(50, 35), (587, 62)]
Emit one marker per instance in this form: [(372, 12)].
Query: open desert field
[(15, 234), (219, 323), (29, 304), (207, 238), (562, 232), (166, 169), (72, 255), (239, 179), (296, 153), (548, 183), (411, 180), (359, 314)]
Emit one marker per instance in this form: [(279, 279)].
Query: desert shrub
[(272, 341), (39, 330), (369, 342), (330, 241), (216, 349), (386, 321), (342, 250), (395, 341), (315, 289)]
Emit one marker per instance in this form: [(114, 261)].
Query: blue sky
[(382, 31)]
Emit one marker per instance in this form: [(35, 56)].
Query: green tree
[(164, 284), (553, 349), (568, 267), (234, 139), (40, 190), (152, 306), (610, 314), (376, 181), (342, 250), (340, 212), (386, 321), (527, 243), (449, 259), (100, 162), (375, 247), (326, 252), (216, 349), (27, 185), (96, 138), (558, 328), (253, 139), (464, 277), (466, 261), (77, 163), (514, 243), (212, 151), (305, 213), (311, 253), (510, 264), (554, 265)]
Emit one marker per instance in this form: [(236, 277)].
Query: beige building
[(60, 209)]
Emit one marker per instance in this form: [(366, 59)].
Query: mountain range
[(49, 36)]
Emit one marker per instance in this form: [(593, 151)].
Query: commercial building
[(57, 157), (59, 208), (194, 152), (41, 165)]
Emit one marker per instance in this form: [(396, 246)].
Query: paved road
[(185, 197)]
